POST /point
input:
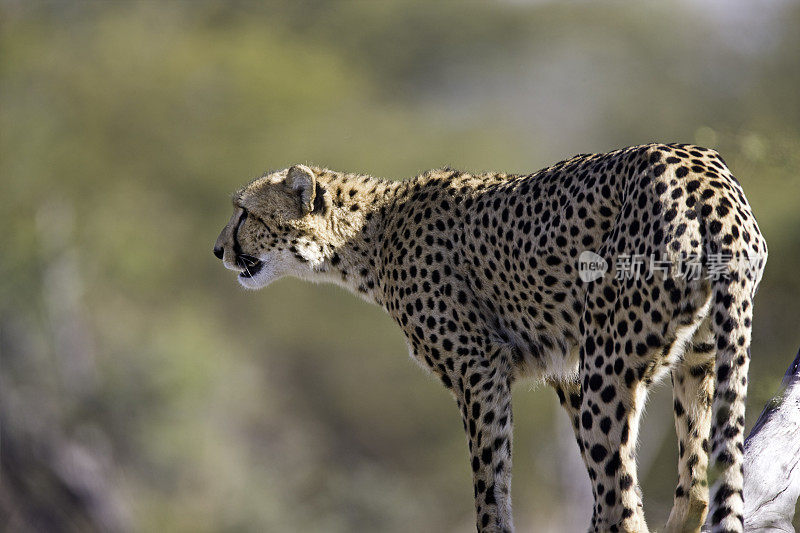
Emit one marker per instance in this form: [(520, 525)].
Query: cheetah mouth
[(250, 264)]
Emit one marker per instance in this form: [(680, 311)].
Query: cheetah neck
[(355, 232)]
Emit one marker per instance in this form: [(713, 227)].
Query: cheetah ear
[(322, 201), (301, 179)]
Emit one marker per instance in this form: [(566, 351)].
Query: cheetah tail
[(731, 321)]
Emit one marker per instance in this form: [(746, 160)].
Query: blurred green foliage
[(200, 407)]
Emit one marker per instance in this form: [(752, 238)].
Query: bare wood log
[(771, 459)]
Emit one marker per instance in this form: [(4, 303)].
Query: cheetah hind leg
[(609, 452), (693, 390)]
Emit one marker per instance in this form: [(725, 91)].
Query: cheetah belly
[(550, 353)]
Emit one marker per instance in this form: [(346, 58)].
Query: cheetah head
[(278, 228)]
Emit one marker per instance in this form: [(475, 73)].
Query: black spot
[(586, 420), (608, 394), (486, 455), (613, 464), (720, 514), (598, 452)]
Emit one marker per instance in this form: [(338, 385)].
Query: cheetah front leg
[(483, 394)]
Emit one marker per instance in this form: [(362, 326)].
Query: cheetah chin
[(257, 275)]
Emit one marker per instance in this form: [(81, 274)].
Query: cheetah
[(483, 274)]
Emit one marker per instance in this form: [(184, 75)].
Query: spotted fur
[(481, 273)]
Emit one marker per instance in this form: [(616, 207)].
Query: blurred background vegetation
[(142, 390)]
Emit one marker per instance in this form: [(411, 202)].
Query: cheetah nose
[(219, 252)]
